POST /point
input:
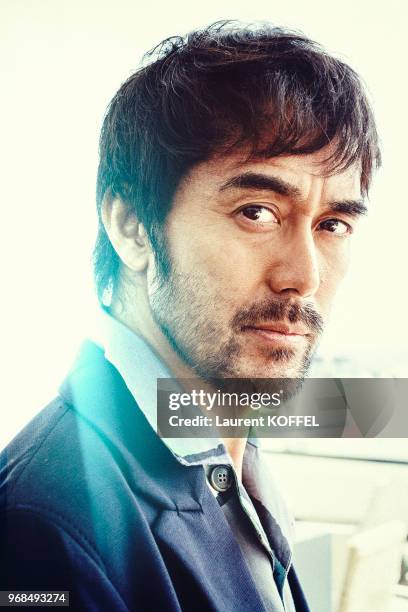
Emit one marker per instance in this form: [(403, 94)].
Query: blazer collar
[(97, 394)]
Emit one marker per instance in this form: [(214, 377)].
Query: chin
[(286, 366), (288, 370)]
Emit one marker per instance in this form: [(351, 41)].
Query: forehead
[(307, 173)]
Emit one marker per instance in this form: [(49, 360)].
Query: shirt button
[(221, 478)]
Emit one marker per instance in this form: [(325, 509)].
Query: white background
[(60, 63)]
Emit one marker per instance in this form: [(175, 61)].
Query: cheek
[(333, 268), (210, 253), (340, 262)]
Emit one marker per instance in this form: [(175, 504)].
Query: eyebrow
[(257, 181), (354, 208), (253, 180)]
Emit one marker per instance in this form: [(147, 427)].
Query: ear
[(127, 235)]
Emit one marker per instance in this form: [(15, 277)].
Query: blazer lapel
[(199, 548)]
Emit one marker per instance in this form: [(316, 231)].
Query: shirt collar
[(140, 368)]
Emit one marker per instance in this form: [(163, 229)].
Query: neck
[(142, 323), (236, 449)]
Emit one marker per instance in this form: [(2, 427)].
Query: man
[(233, 170)]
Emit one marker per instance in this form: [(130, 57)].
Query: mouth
[(278, 333)]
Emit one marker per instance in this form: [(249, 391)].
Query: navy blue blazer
[(93, 502)]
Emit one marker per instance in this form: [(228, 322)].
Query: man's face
[(257, 250)]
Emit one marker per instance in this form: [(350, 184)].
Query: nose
[(295, 269)]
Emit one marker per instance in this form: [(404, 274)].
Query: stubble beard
[(188, 319)]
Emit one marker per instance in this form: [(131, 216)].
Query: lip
[(278, 333), (280, 328)]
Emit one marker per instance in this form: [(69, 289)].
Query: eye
[(336, 226), (258, 214)]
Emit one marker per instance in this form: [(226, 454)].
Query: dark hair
[(225, 87)]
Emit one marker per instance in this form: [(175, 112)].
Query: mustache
[(280, 310)]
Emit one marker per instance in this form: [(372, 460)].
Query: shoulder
[(68, 514), (76, 493), (47, 459), (20, 458), (61, 470), (43, 512)]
